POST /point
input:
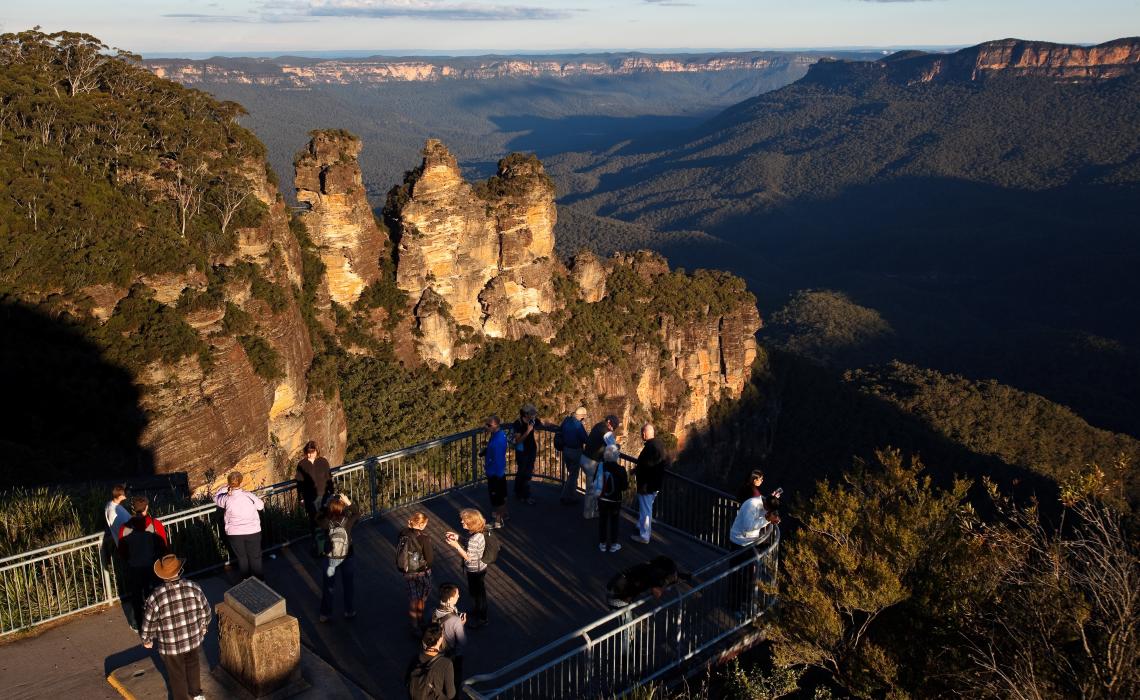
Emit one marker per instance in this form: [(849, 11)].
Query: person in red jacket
[(142, 542)]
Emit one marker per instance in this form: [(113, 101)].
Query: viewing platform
[(551, 633)]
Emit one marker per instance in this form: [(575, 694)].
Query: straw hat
[(169, 567)]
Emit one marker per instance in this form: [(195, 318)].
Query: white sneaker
[(615, 547), (639, 539), (601, 546)]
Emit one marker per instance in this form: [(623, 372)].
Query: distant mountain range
[(984, 202), (300, 72)]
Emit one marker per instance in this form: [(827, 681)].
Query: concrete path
[(549, 581)]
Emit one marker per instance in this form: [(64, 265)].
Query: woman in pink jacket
[(243, 524)]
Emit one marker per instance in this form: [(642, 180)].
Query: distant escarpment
[(294, 72), (148, 225), (1008, 57)]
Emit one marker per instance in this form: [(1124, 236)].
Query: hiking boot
[(615, 547)]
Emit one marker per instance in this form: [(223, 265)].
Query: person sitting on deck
[(653, 576)]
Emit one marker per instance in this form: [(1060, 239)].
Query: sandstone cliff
[(337, 215), (474, 261), (301, 73), (209, 421), (1005, 58)]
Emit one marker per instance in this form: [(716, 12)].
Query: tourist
[(314, 481), (653, 576), (430, 675), (177, 617), (611, 484), (414, 559), (142, 541), (448, 617), (495, 467), (751, 486), (751, 526), (336, 520), (650, 472), (242, 524), (526, 450), (574, 436), (592, 457), (115, 512), (472, 553)]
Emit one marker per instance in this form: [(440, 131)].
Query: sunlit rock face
[(485, 254), (339, 219)]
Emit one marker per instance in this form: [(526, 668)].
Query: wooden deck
[(549, 581)]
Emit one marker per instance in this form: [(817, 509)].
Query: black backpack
[(491, 547), (559, 440), (409, 557), (420, 686)]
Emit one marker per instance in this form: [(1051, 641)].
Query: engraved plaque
[(255, 601)]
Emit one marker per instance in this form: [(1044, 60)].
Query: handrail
[(272, 489), (585, 629)]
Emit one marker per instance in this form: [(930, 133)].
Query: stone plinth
[(260, 644)]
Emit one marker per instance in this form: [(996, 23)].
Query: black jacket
[(650, 469), (596, 441), (435, 672)]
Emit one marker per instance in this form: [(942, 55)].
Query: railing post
[(371, 466), (109, 596), (474, 457)]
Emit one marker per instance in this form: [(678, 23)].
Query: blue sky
[(173, 26)]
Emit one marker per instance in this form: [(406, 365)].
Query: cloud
[(240, 19), (670, 3), (412, 9)]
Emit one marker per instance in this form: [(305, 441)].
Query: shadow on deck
[(549, 581)]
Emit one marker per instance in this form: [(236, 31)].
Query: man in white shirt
[(749, 528), (114, 512)]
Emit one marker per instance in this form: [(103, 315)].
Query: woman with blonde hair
[(472, 554), (243, 524), (414, 559)]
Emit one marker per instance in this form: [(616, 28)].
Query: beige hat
[(169, 567), (580, 412)]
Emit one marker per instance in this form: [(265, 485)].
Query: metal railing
[(52, 582), (634, 645), (648, 638)]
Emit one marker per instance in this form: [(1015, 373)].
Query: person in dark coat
[(650, 472), (314, 481), (142, 542), (592, 459), (610, 487), (430, 673), (653, 576), (526, 450), (573, 442)]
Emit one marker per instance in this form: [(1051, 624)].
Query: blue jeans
[(346, 572), (645, 514)]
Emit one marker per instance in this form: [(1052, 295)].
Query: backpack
[(419, 686), (337, 546), (559, 441), (491, 547), (409, 558)]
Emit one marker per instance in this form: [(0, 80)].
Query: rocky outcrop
[(207, 421), (482, 257), (1008, 57), (589, 273), (338, 216)]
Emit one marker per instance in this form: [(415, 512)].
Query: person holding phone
[(452, 621), (526, 450)]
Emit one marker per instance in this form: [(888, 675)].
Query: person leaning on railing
[(650, 473), (751, 525), (243, 524), (572, 435), (526, 450)]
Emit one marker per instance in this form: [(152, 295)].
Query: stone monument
[(260, 644)]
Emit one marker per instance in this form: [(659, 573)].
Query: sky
[(183, 27)]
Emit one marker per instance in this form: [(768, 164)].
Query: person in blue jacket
[(495, 466), (573, 440)]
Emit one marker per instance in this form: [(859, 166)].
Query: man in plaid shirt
[(177, 617)]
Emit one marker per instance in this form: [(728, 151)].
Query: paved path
[(548, 582)]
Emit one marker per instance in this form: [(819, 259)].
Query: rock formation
[(207, 422), (1008, 57), (339, 218), (476, 260)]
